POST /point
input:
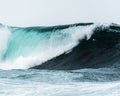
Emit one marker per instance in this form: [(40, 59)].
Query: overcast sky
[(53, 12)]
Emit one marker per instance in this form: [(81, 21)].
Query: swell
[(100, 51)]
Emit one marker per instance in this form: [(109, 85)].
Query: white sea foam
[(74, 89)]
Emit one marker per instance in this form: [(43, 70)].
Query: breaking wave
[(75, 46)]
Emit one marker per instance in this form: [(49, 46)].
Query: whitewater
[(79, 59)]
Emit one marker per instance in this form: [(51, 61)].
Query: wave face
[(75, 46)]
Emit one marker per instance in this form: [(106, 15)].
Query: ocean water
[(81, 59), (84, 82)]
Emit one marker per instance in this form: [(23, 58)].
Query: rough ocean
[(81, 59)]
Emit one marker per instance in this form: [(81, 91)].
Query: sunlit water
[(85, 82)]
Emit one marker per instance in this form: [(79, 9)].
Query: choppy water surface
[(85, 82)]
